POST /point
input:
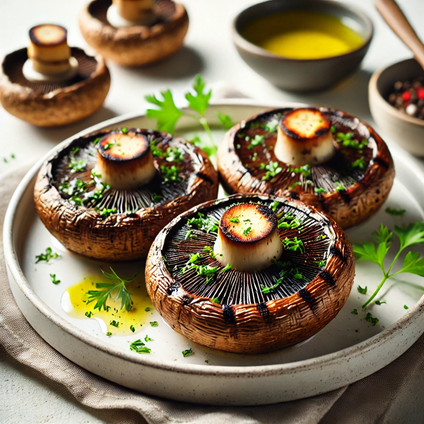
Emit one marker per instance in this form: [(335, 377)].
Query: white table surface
[(208, 49)]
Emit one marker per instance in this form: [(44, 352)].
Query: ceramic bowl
[(403, 129), (302, 74)]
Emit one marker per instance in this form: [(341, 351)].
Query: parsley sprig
[(168, 114), (377, 249), (116, 289)]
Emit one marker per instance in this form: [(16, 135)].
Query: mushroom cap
[(127, 233), (238, 311), (352, 194), (137, 45), (52, 104)]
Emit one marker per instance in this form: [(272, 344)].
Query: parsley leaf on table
[(167, 115), (116, 288), (377, 250)]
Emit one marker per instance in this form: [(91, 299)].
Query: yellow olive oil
[(303, 34), (115, 320)]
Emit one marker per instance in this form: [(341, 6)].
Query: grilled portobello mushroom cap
[(284, 302), (96, 215), (350, 186)]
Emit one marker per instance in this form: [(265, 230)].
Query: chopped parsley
[(215, 300), (148, 309), (108, 334), (139, 347), (354, 312), (319, 191), (304, 170), (190, 235), (46, 256), (227, 268), (378, 302), (203, 223), (295, 245), (395, 212), (272, 170), (154, 323), (132, 328), (187, 352), (362, 290), (371, 319), (107, 212), (247, 230), (88, 314), (235, 220), (156, 198), (405, 307), (171, 173), (77, 165), (359, 163), (340, 186), (114, 323), (347, 140), (54, 280), (148, 339), (256, 141)]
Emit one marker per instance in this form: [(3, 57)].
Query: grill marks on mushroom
[(247, 312), (350, 186)]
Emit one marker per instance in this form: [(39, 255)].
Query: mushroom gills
[(128, 13), (49, 56), (304, 137), (124, 160), (248, 237)]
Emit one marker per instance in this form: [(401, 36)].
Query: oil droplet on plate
[(115, 320)]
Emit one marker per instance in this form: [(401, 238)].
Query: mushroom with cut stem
[(106, 195), (321, 156), (289, 294), (134, 32), (50, 84)]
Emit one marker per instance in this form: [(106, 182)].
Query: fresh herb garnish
[(154, 323), (156, 197), (168, 114), (362, 290), (304, 170), (371, 319), (395, 212), (225, 120), (190, 235), (107, 212), (235, 220), (139, 347), (347, 140), (256, 141), (295, 245), (378, 302), (54, 280), (88, 314), (204, 223), (339, 186), (319, 191), (108, 334), (132, 328), (247, 230), (148, 309), (46, 256), (187, 352), (377, 249), (354, 312), (405, 307), (114, 323), (227, 268), (215, 300), (171, 173), (359, 163), (272, 170), (77, 165), (117, 289)]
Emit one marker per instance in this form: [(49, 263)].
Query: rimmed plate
[(348, 349)]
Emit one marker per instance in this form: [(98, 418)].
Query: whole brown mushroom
[(333, 162), (287, 298), (107, 195), (50, 84), (156, 32)]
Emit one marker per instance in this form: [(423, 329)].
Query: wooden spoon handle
[(397, 21)]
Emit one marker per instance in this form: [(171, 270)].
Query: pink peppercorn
[(406, 96)]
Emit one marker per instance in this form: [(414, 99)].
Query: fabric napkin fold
[(395, 394)]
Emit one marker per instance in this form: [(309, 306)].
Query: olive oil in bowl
[(302, 34)]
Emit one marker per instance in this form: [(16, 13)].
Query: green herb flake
[(154, 323), (215, 300), (46, 256), (235, 220), (187, 352), (107, 212), (378, 302), (171, 173), (319, 191), (354, 312), (247, 230), (227, 268), (362, 290), (89, 314), (96, 141), (256, 141), (132, 328), (148, 339), (139, 347), (54, 280), (114, 323), (405, 307), (156, 198), (108, 334), (395, 212), (148, 309), (272, 170), (124, 131), (371, 319)]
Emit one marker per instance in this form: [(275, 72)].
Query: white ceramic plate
[(348, 349)]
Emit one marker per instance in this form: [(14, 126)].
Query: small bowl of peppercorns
[(396, 97)]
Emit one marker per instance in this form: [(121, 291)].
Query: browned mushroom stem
[(250, 312), (126, 13), (92, 218), (134, 45), (124, 160), (49, 56), (304, 137), (248, 237), (350, 187)]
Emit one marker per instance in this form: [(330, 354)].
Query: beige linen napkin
[(392, 395)]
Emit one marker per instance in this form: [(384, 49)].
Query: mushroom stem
[(124, 160), (49, 56), (304, 137), (126, 13), (248, 237)]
